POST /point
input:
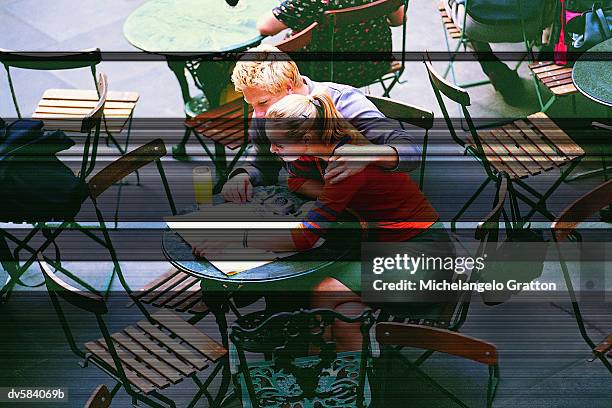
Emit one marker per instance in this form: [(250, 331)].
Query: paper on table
[(193, 227)]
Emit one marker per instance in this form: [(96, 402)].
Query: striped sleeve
[(326, 210)]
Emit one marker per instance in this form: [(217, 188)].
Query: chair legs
[(468, 203)]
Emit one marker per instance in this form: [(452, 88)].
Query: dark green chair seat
[(336, 386)]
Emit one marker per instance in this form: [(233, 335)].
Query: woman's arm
[(396, 18), (268, 24), (310, 188)]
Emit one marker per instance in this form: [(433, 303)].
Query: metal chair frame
[(411, 114), (92, 301), (564, 226), (538, 203), (294, 332), (59, 61)]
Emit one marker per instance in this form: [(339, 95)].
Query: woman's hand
[(228, 241)]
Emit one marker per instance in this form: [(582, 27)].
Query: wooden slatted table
[(63, 109)]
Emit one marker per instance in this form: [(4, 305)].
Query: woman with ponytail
[(305, 130)]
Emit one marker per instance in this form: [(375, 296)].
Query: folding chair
[(390, 335), (227, 126), (410, 114), (155, 353), (521, 149), (359, 15), (395, 332), (456, 31), (63, 109), (290, 379), (565, 225)]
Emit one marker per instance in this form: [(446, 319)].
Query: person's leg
[(332, 294), (505, 80)]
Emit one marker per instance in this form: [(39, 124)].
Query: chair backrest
[(403, 112), (94, 117), (299, 40), (88, 301), (50, 61), (443, 86), (289, 336), (364, 12), (101, 398), (47, 62), (440, 340), (581, 209), (125, 165)]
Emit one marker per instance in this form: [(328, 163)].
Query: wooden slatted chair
[(157, 352), (227, 126), (359, 15), (565, 224), (63, 109), (557, 79), (391, 335), (521, 149)]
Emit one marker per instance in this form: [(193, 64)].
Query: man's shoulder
[(338, 91)]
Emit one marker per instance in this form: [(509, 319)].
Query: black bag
[(36, 185), (591, 28)]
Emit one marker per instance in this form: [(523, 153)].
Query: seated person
[(499, 21), (306, 130), (374, 36), (270, 77)]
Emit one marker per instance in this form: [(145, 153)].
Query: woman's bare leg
[(332, 294)]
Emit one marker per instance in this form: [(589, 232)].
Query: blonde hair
[(267, 68), (305, 113)]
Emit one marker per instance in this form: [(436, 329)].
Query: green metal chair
[(359, 14), (521, 149), (143, 359), (62, 109), (390, 335), (394, 333), (410, 114), (292, 378), (565, 225)]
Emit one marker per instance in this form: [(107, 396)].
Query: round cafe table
[(275, 281), (592, 76), (196, 26)]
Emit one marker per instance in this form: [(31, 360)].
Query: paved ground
[(542, 358)]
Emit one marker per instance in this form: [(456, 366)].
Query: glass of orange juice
[(202, 185)]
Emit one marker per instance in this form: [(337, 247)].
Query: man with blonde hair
[(264, 76)]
